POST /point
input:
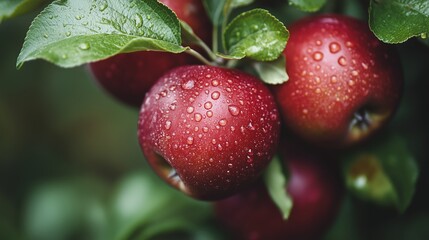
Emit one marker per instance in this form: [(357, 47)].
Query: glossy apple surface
[(129, 76), (316, 191), (344, 83), (208, 131)]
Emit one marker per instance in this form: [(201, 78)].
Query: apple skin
[(344, 84), (129, 76), (315, 188), (208, 131)]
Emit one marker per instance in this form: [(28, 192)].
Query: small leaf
[(215, 10), (384, 173), (73, 32), (255, 34), (395, 21), (13, 8), (308, 5), (272, 72), (276, 182)]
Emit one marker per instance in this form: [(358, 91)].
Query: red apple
[(316, 191), (344, 83), (129, 76), (208, 131)]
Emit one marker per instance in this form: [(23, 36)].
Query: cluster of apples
[(210, 131)]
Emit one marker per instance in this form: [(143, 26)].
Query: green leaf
[(276, 182), (73, 32), (255, 34), (385, 173), (395, 21), (308, 5), (215, 10), (272, 72), (13, 8)]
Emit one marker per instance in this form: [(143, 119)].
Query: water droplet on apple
[(205, 129), (351, 83), (215, 83), (318, 43), (209, 114), (222, 122), (233, 110), (355, 73), (342, 61), (208, 105), (215, 95), (334, 47), (188, 84), (167, 124), (318, 56), (190, 110), (190, 140), (198, 117), (230, 165)]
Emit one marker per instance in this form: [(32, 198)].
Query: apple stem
[(200, 57), (207, 49)]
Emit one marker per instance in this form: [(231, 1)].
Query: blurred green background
[(71, 167)]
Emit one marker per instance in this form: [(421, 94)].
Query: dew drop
[(68, 34), (334, 79), (222, 122), (188, 84), (208, 105), (355, 73), (209, 114), (334, 47), (318, 90), (230, 165), (342, 61), (349, 44), (173, 106), (102, 7), (211, 160), (305, 111), (215, 95), (190, 110), (167, 124), (318, 56), (198, 117), (215, 83), (351, 83), (78, 17), (318, 43), (219, 147), (205, 129), (365, 66), (233, 110), (84, 46), (138, 20), (190, 140)]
